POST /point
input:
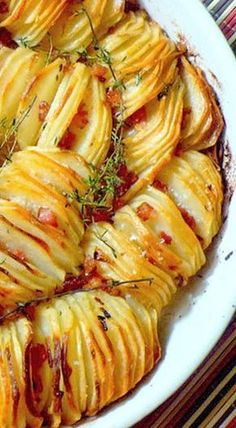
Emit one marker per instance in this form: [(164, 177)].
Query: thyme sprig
[(10, 132), (103, 183), (22, 307)]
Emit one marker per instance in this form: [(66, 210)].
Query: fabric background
[(208, 397)]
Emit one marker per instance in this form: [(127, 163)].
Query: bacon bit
[(19, 255), (111, 30), (186, 112), (151, 260), (131, 5), (43, 110), (145, 211), (29, 312), (113, 97), (159, 185), (4, 7), (166, 238), (188, 218), (128, 179), (118, 203), (179, 149), (38, 356), (67, 141), (6, 39), (90, 265), (90, 279), (80, 120), (137, 117), (46, 216), (100, 72)]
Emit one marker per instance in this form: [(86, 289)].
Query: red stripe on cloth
[(228, 26), (232, 424)]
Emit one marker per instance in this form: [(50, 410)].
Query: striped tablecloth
[(208, 397)]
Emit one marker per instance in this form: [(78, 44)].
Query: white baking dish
[(207, 306)]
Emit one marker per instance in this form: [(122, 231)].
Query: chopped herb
[(102, 239), (11, 131), (24, 41), (138, 79), (106, 313), (103, 322)]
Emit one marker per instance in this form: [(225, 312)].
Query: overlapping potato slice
[(94, 348), (65, 105), (113, 13), (72, 32), (152, 81), (175, 246), (17, 70), (161, 237), (34, 195), (42, 89), (195, 185), (40, 228), (93, 124), (14, 340), (30, 20), (120, 259), (203, 122), (135, 44), (22, 282), (150, 144)]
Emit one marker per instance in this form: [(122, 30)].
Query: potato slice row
[(203, 121), (72, 32), (194, 184), (86, 350), (150, 144), (40, 227), (30, 20)]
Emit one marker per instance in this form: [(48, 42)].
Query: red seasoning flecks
[(100, 72), (145, 211), (113, 97), (137, 117), (159, 185), (188, 218), (43, 110), (46, 216), (67, 141), (165, 238), (80, 120)]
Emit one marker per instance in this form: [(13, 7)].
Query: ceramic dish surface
[(200, 314)]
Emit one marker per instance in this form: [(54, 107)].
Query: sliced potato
[(150, 144), (93, 136), (122, 260), (135, 44), (65, 105), (43, 87), (113, 13), (72, 32), (18, 69), (195, 185), (30, 20), (180, 256), (203, 122)]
